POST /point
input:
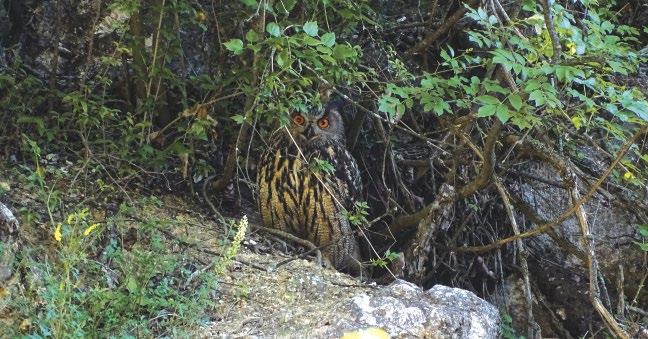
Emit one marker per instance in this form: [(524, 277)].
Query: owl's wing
[(347, 172)]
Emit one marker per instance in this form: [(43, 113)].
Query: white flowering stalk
[(233, 248)]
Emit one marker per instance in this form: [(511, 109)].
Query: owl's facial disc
[(309, 127), (317, 127)]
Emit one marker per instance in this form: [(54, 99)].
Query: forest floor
[(249, 293)]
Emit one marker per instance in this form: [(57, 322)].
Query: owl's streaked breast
[(310, 204)]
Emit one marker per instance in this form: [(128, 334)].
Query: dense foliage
[(167, 93)]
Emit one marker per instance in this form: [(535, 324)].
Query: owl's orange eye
[(323, 123), (299, 120)]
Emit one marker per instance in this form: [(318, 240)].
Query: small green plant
[(91, 285), (321, 166), (643, 231), (507, 330), (386, 259), (358, 216)]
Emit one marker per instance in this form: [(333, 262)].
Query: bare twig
[(533, 329), (640, 286), (445, 27), (316, 250), (592, 262), (567, 214), (213, 208), (232, 156), (482, 180), (638, 310), (555, 42), (620, 289)]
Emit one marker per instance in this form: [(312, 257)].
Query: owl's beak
[(309, 133)]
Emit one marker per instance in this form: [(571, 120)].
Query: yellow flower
[(628, 176), (70, 218), (57, 233), (577, 121), (40, 172), (25, 325), (369, 333), (89, 229), (201, 16)]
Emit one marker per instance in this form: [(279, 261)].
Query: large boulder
[(303, 300), (406, 311), (559, 273)]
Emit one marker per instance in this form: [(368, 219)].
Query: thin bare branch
[(565, 215), (444, 28), (553, 35)]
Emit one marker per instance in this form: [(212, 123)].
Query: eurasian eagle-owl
[(297, 197)]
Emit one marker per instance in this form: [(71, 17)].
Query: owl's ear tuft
[(325, 92)]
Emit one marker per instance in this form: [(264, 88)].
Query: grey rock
[(9, 242), (406, 311), (302, 300), (561, 277)]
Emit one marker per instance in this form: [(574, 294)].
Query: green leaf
[(491, 86), (642, 246), (640, 108), (131, 285), (440, 106), (273, 29), (643, 230), (322, 166), (198, 131), (488, 99), (611, 108), (239, 119), (310, 41), (38, 121), (328, 39), (235, 46), (283, 59), (516, 101), (386, 105), (325, 50), (285, 6), (391, 105), (341, 52), (577, 121), (503, 113), (250, 3), (252, 36), (486, 111), (310, 28), (538, 97)]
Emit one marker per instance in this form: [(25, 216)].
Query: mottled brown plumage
[(307, 202)]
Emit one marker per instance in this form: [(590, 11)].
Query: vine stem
[(553, 35), (592, 263), (232, 157), (567, 214), (533, 329), (446, 26)]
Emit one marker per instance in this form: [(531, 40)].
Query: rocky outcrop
[(556, 263), (404, 310), (9, 242), (303, 300)]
